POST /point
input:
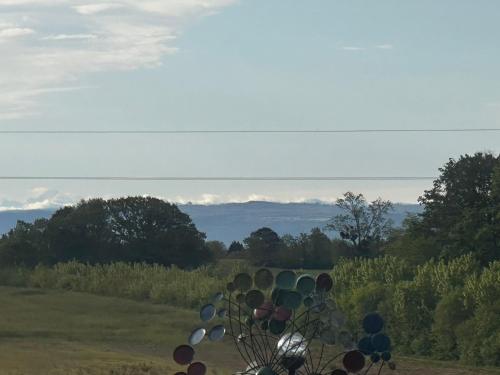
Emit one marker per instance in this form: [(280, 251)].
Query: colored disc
[(305, 284), (183, 355), (263, 279), (277, 326), (282, 314), (324, 282), (354, 361), (265, 371), (207, 312), (197, 368), (197, 336), (278, 296), (218, 297), (373, 323), (286, 279), (243, 281), (263, 311), (222, 313), (386, 356), (308, 302), (217, 333), (381, 342), (365, 345), (292, 300), (254, 299)]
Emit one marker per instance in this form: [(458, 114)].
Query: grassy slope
[(53, 332)]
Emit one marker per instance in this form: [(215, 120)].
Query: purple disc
[(183, 355), (197, 368)]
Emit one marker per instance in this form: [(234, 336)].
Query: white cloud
[(353, 48), (89, 9), (15, 32), (47, 44), (39, 198), (384, 46), (70, 37)]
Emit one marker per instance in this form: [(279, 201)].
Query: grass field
[(54, 332)]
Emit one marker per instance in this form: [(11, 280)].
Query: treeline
[(461, 216), (133, 229), (445, 309), (442, 309)]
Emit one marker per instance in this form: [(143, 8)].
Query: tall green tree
[(263, 247), (132, 229), (461, 211), (363, 224)]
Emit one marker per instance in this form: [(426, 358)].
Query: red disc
[(282, 314), (263, 311), (183, 355), (197, 368), (354, 361)]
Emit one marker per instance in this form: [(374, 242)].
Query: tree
[(263, 247), (318, 251), (217, 249), (24, 245), (236, 247), (363, 224), (462, 210), (132, 229)]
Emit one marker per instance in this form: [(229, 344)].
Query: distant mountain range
[(235, 221)]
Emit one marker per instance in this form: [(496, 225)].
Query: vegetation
[(133, 229), (66, 333), (436, 280), (444, 309)]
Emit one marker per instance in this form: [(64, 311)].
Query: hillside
[(56, 332), (234, 221)]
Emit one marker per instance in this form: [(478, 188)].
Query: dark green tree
[(217, 249), (263, 247), (133, 229), (236, 247), (362, 224), (24, 245), (461, 211)]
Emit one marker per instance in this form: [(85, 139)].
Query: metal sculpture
[(284, 325)]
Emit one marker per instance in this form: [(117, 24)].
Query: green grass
[(56, 332)]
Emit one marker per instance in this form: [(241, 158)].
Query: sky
[(242, 65)]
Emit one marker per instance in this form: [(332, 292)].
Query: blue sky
[(247, 64)]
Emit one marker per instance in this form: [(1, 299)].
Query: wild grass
[(138, 281)]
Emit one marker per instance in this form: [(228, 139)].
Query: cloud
[(49, 44), (38, 199), (384, 46), (15, 32), (69, 37), (353, 48)]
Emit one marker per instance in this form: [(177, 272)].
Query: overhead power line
[(199, 178), (286, 131)]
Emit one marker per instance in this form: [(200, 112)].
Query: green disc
[(286, 279), (278, 296), (264, 279), (277, 327), (254, 299), (292, 300), (308, 302), (243, 282), (306, 284)]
